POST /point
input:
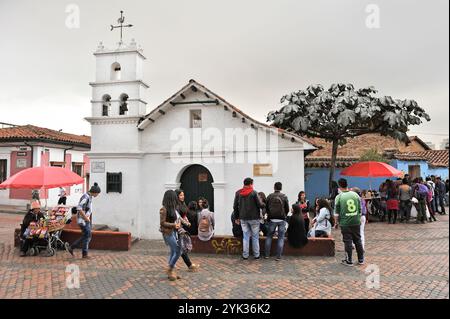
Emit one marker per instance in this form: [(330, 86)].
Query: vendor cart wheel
[(51, 252), (31, 252)]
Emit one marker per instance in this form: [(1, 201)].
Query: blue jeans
[(85, 239), (281, 232), (175, 249), (250, 228)]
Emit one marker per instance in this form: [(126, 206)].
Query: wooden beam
[(196, 102), (162, 112), (225, 108), (243, 120), (193, 88), (182, 96), (234, 114), (151, 120), (207, 95)]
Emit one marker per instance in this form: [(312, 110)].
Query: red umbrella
[(371, 169), (43, 177)]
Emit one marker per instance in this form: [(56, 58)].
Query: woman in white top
[(323, 222), (205, 222)]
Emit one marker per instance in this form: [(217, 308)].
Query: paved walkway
[(413, 262)]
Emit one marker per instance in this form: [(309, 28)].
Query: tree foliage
[(373, 155), (343, 112)]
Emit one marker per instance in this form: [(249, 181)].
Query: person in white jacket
[(324, 220)]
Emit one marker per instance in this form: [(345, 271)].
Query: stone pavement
[(413, 262)]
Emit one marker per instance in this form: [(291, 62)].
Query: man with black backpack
[(277, 208)]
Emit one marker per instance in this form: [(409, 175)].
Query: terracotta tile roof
[(436, 158), (324, 162), (409, 157), (35, 133), (357, 146)]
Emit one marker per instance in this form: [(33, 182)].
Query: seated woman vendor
[(33, 215)]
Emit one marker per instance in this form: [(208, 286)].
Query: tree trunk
[(332, 164)]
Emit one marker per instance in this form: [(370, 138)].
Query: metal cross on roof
[(121, 26)]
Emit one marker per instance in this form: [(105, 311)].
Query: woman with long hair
[(263, 225), (305, 208), (296, 230), (325, 219), (170, 222), (192, 216), (392, 201), (185, 224)]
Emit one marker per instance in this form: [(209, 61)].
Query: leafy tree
[(341, 112), (373, 155)]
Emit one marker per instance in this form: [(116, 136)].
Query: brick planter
[(228, 245), (102, 240)]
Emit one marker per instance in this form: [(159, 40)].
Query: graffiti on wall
[(229, 246)]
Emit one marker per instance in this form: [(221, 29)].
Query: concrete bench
[(229, 245)]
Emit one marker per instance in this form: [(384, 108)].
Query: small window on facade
[(114, 182), (3, 166), (106, 104), (115, 71), (57, 164), (196, 118), (77, 168), (123, 104)]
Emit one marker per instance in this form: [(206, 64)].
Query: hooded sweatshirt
[(247, 205)]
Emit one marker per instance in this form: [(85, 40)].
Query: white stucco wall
[(146, 179)]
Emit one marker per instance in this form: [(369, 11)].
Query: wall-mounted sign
[(262, 170), (97, 167), (21, 163), (203, 177), (22, 153)]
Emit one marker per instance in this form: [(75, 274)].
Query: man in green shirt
[(347, 208)]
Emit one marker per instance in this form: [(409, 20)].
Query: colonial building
[(28, 146), (195, 140)]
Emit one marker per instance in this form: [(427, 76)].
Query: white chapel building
[(195, 140)]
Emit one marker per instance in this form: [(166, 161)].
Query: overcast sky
[(250, 52)]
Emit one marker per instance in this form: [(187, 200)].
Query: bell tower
[(118, 87), (117, 97)]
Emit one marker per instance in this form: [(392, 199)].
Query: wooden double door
[(196, 181)]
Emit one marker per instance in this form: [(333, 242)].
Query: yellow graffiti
[(229, 246)]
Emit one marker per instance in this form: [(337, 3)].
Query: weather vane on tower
[(121, 26)]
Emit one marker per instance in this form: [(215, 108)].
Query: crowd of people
[(426, 197), (255, 214)]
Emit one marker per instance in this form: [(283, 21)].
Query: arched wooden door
[(196, 182)]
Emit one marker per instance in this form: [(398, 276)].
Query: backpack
[(276, 208), (204, 225)]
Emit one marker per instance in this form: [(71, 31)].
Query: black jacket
[(29, 217), (285, 201), (247, 207)]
